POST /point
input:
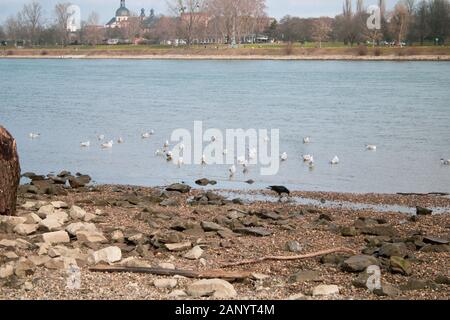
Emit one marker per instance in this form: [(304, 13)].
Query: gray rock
[(359, 263), (108, 255), (77, 213), (25, 229), (74, 228), (379, 230), (169, 203), (304, 276), (415, 284), (91, 237), (165, 283), (24, 267), (400, 265), (420, 211), (216, 288), (398, 249), (50, 224), (435, 240), (253, 231), (182, 246), (387, 290), (7, 270), (179, 187), (436, 248), (325, 290), (293, 246), (349, 231), (361, 280), (56, 237), (442, 279), (211, 226), (194, 254), (44, 211)]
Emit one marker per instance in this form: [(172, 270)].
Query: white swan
[(146, 135), (284, 156), (34, 135), (85, 144), (371, 147), (445, 162), (308, 158), (335, 160), (108, 145), (306, 140)]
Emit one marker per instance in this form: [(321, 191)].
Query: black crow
[(279, 189)]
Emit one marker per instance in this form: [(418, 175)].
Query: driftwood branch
[(289, 258), (423, 194), (210, 274)]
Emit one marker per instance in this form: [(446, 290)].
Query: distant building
[(121, 18)]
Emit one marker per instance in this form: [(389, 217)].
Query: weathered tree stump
[(9, 173)]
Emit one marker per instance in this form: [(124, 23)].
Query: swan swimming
[(85, 144), (335, 160), (108, 145), (146, 135), (445, 162), (308, 158), (284, 156), (34, 135), (371, 147)]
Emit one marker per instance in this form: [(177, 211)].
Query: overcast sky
[(106, 8)]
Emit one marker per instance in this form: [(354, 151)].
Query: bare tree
[(93, 33), (191, 15), (399, 22), (62, 16), (321, 30), (32, 18)]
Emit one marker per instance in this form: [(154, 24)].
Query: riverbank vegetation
[(229, 23)]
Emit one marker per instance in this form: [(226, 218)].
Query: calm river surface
[(402, 107)]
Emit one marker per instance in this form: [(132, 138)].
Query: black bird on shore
[(280, 190)]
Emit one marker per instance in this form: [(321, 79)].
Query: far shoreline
[(435, 58)]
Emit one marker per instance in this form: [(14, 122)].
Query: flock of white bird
[(241, 160)]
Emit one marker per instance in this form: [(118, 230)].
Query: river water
[(402, 107)]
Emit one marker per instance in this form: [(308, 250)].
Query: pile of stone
[(54, 184)]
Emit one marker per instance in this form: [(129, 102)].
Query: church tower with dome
[(121, 18)]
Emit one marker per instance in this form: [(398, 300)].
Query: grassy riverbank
[(271, 52)]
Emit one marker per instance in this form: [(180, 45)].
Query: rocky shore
[(65, 228)]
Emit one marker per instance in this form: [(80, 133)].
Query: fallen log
[(209, 274), (289, 258)]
